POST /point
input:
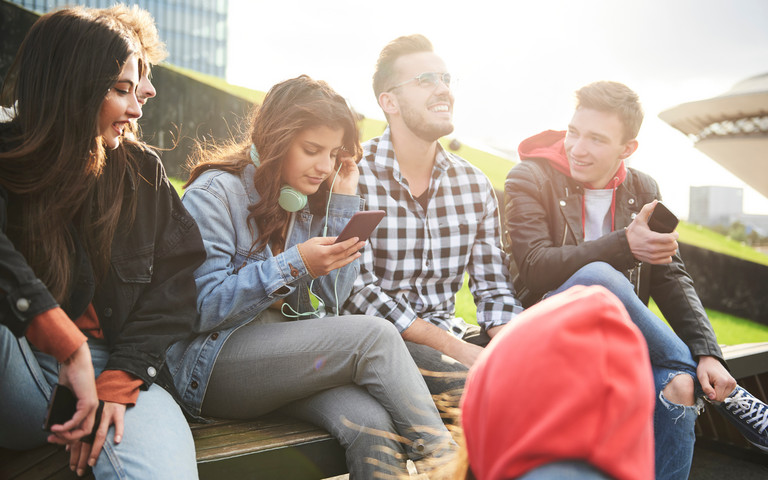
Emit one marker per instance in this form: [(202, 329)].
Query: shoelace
[(754, 411)]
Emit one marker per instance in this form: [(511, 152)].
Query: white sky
[(518, 63)]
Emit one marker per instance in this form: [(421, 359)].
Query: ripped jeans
[(673, 424)]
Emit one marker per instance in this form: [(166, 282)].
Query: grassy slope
[(729, 329)]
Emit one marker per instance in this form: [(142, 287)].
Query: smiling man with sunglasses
[(442, 222)]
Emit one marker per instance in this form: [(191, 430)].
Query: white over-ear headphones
[(291, 200)]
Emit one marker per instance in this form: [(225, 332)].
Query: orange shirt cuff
[(53, 332), (118, 386)]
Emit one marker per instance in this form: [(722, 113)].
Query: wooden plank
[(49, 462), (746, 359), (227, 438), (310, 461)]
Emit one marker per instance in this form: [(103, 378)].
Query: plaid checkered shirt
[(416, 259)]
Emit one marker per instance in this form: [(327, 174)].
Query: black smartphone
[(361, 225), (61, 408), (662, 220)]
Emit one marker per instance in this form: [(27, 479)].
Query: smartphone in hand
[(662, 220), (361, 225), (61, 408)]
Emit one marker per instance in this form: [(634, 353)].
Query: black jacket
[(545, 240), (146, 301)]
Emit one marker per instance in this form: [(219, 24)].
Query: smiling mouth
[(119, 127), (439, 108), (580, 164)]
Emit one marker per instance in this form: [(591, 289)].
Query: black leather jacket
[(545, 242), (147, 300)]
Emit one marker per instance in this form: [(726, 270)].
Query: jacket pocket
[(135, 268)]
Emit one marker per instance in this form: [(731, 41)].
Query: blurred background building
[(195, 31), (717, 206), (731, 129)]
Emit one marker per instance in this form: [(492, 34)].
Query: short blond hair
[(385, 65), (614, 97)]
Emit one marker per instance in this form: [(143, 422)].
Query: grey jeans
[(351, 375)]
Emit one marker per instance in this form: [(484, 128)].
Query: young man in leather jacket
[(575, 214)]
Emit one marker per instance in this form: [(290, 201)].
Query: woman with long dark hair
[(268, 254), (96, 255)]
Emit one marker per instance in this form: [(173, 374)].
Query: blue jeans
[(157, 442), (673, 424), (565, 470)]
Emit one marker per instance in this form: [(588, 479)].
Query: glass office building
[(195, 31)]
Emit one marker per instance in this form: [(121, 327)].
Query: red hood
[(550, 145), (569, 378)]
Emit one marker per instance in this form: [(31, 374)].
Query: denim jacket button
[(194, 384), (294, 271), (151, 371), (22, 304), (214, 336)]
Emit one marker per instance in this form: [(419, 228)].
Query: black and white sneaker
[(748, 414)]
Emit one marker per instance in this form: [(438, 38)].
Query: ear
[(388, 103), (629, 148)]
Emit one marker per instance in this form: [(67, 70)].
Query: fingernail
[(118, 438), (72, 467), (91, 462), (80, 472)]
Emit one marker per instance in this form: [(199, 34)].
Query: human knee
[(599, 273), (680, 390), (375, 328)]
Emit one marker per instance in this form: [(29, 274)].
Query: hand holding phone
[(61, 407), (662, 220), (361, 225)]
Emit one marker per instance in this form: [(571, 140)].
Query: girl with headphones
[(269, 208)]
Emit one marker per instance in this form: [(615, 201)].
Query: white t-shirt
[(597, 207)]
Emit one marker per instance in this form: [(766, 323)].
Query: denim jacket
[(145, 302), (234, 287)]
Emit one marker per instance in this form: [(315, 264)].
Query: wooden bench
[(275, 446), (278, 447)]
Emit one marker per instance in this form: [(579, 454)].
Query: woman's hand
[(77, 373), (346, 181), (82, 453), (322, 256)]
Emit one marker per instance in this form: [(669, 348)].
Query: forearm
[(672, 290), (425, 333), (489, 278)]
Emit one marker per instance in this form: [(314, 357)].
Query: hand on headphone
[(322, 256), (346, 182)]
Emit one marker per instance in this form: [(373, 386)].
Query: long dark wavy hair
[(289, 108), (53, 161)]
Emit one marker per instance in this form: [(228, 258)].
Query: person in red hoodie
[(588, 408), (576, 215)]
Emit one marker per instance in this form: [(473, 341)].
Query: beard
[(426, 130)]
